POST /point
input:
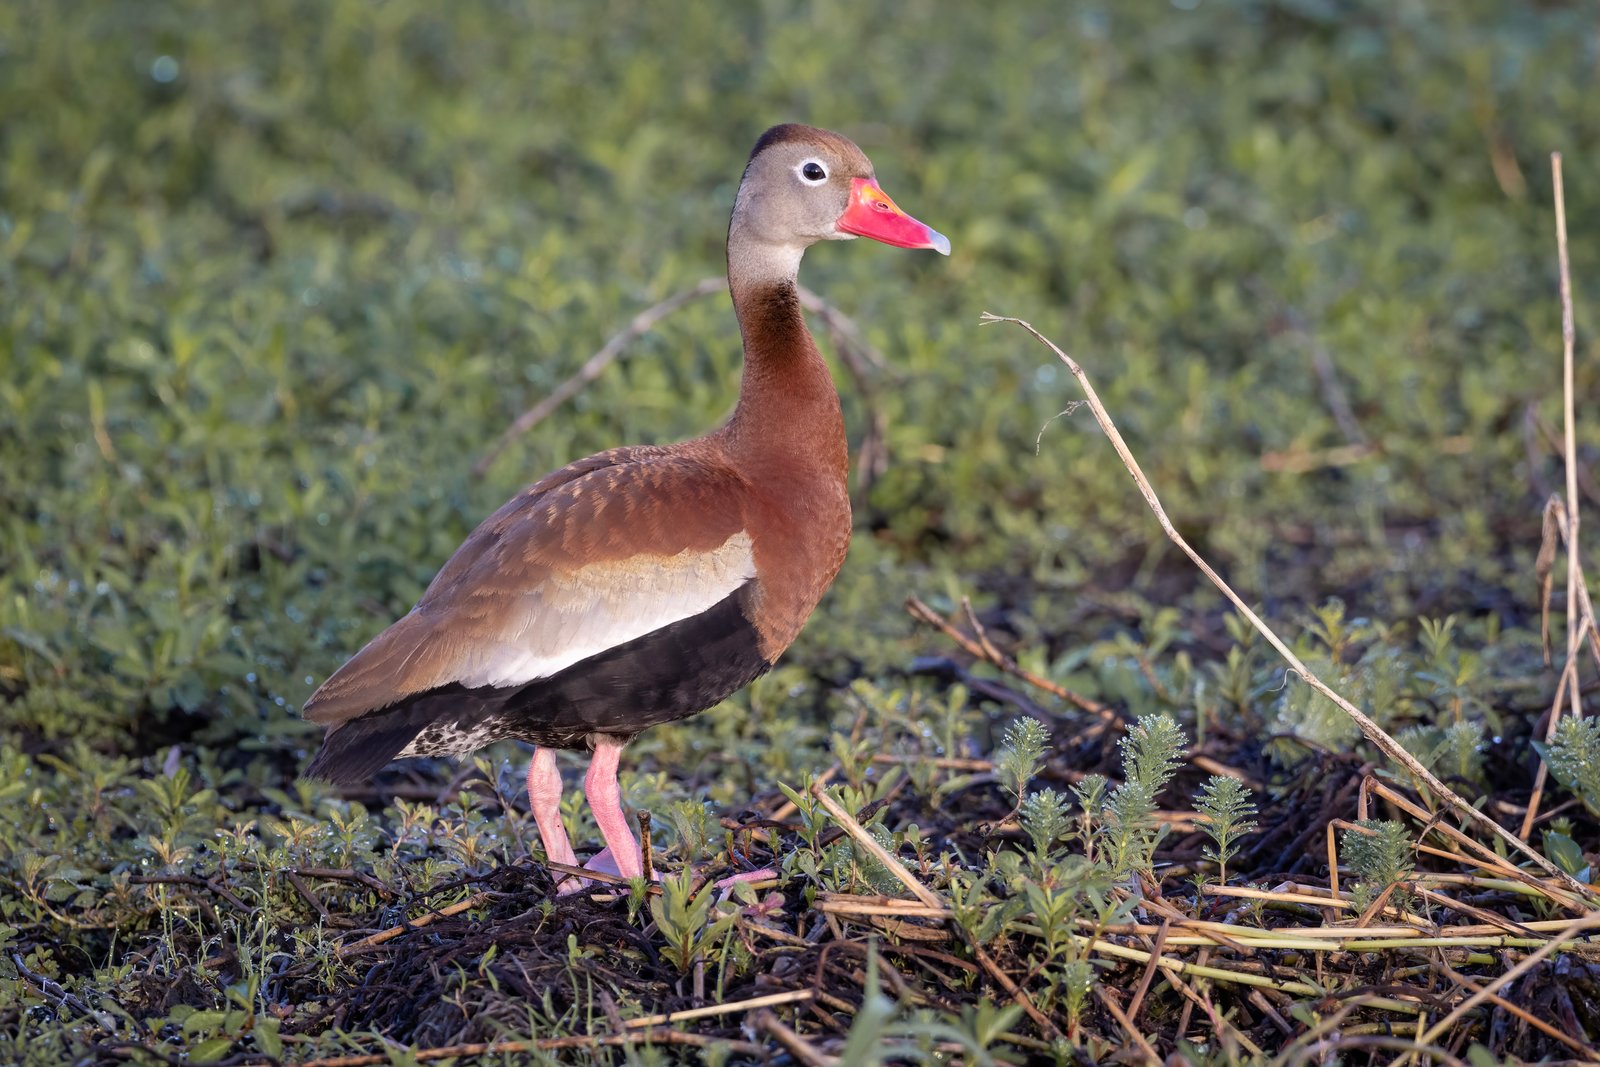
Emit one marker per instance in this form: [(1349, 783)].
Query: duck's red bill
[(872, 214)]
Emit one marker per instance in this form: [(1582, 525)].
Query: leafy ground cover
[(275, 277)]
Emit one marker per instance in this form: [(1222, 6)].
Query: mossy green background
[(272, 277)]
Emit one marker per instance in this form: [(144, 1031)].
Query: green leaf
[(1565, 853), (211, 1049)]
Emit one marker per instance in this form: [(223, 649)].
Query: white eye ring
[(813, 165)]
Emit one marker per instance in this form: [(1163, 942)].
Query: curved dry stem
[(1369, 728)]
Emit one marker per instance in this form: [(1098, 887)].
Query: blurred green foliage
[(273, 275)]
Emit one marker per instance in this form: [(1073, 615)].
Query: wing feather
[(606, 550)]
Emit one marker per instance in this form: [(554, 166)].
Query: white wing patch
[(570, 617)]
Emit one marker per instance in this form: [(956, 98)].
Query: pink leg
[(605, 801), (727, 884), (544, 797)]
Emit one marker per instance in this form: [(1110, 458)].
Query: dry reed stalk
[(798, 996), (843, 907), (798, 1047), (1346, 938), (1108, 1001), (1588, 922), (1568, 518), (1223, 974), (1569, 417), (1308, 897), (1368, 727), (859, 834)]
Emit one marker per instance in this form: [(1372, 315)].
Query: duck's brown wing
[(589, 559)]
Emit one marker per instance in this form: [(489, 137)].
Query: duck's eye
[(813, 172)]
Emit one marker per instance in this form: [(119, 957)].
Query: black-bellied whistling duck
[(643, 584)]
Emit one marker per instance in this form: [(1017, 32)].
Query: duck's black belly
[(670, 673)]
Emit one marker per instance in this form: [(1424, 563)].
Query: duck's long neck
[(788, 409)]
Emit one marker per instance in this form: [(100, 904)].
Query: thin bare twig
[(859, 357), (53, 992), (1018, 995), (393, 932), (1369, 728), (637, 327), (798, 1047), (1108, 1001), (1569, 435), (989, 654)]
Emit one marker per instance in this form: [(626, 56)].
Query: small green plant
[(1328, 626), (1379, 853), (691, 824), (813, 817), (1562, 849), (1091, 793), (688, 921), (1021, 753), (1574, 759), (1046, 819), (870, 869), (1454, 752), (1230, 814), (1078, 981), (1151, 754)]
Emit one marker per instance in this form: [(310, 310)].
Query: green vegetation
[(1230, 815), (273, 277)]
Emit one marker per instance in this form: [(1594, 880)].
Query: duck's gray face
[(804, 185)]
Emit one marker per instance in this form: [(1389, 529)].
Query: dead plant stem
[(1371, 729)]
